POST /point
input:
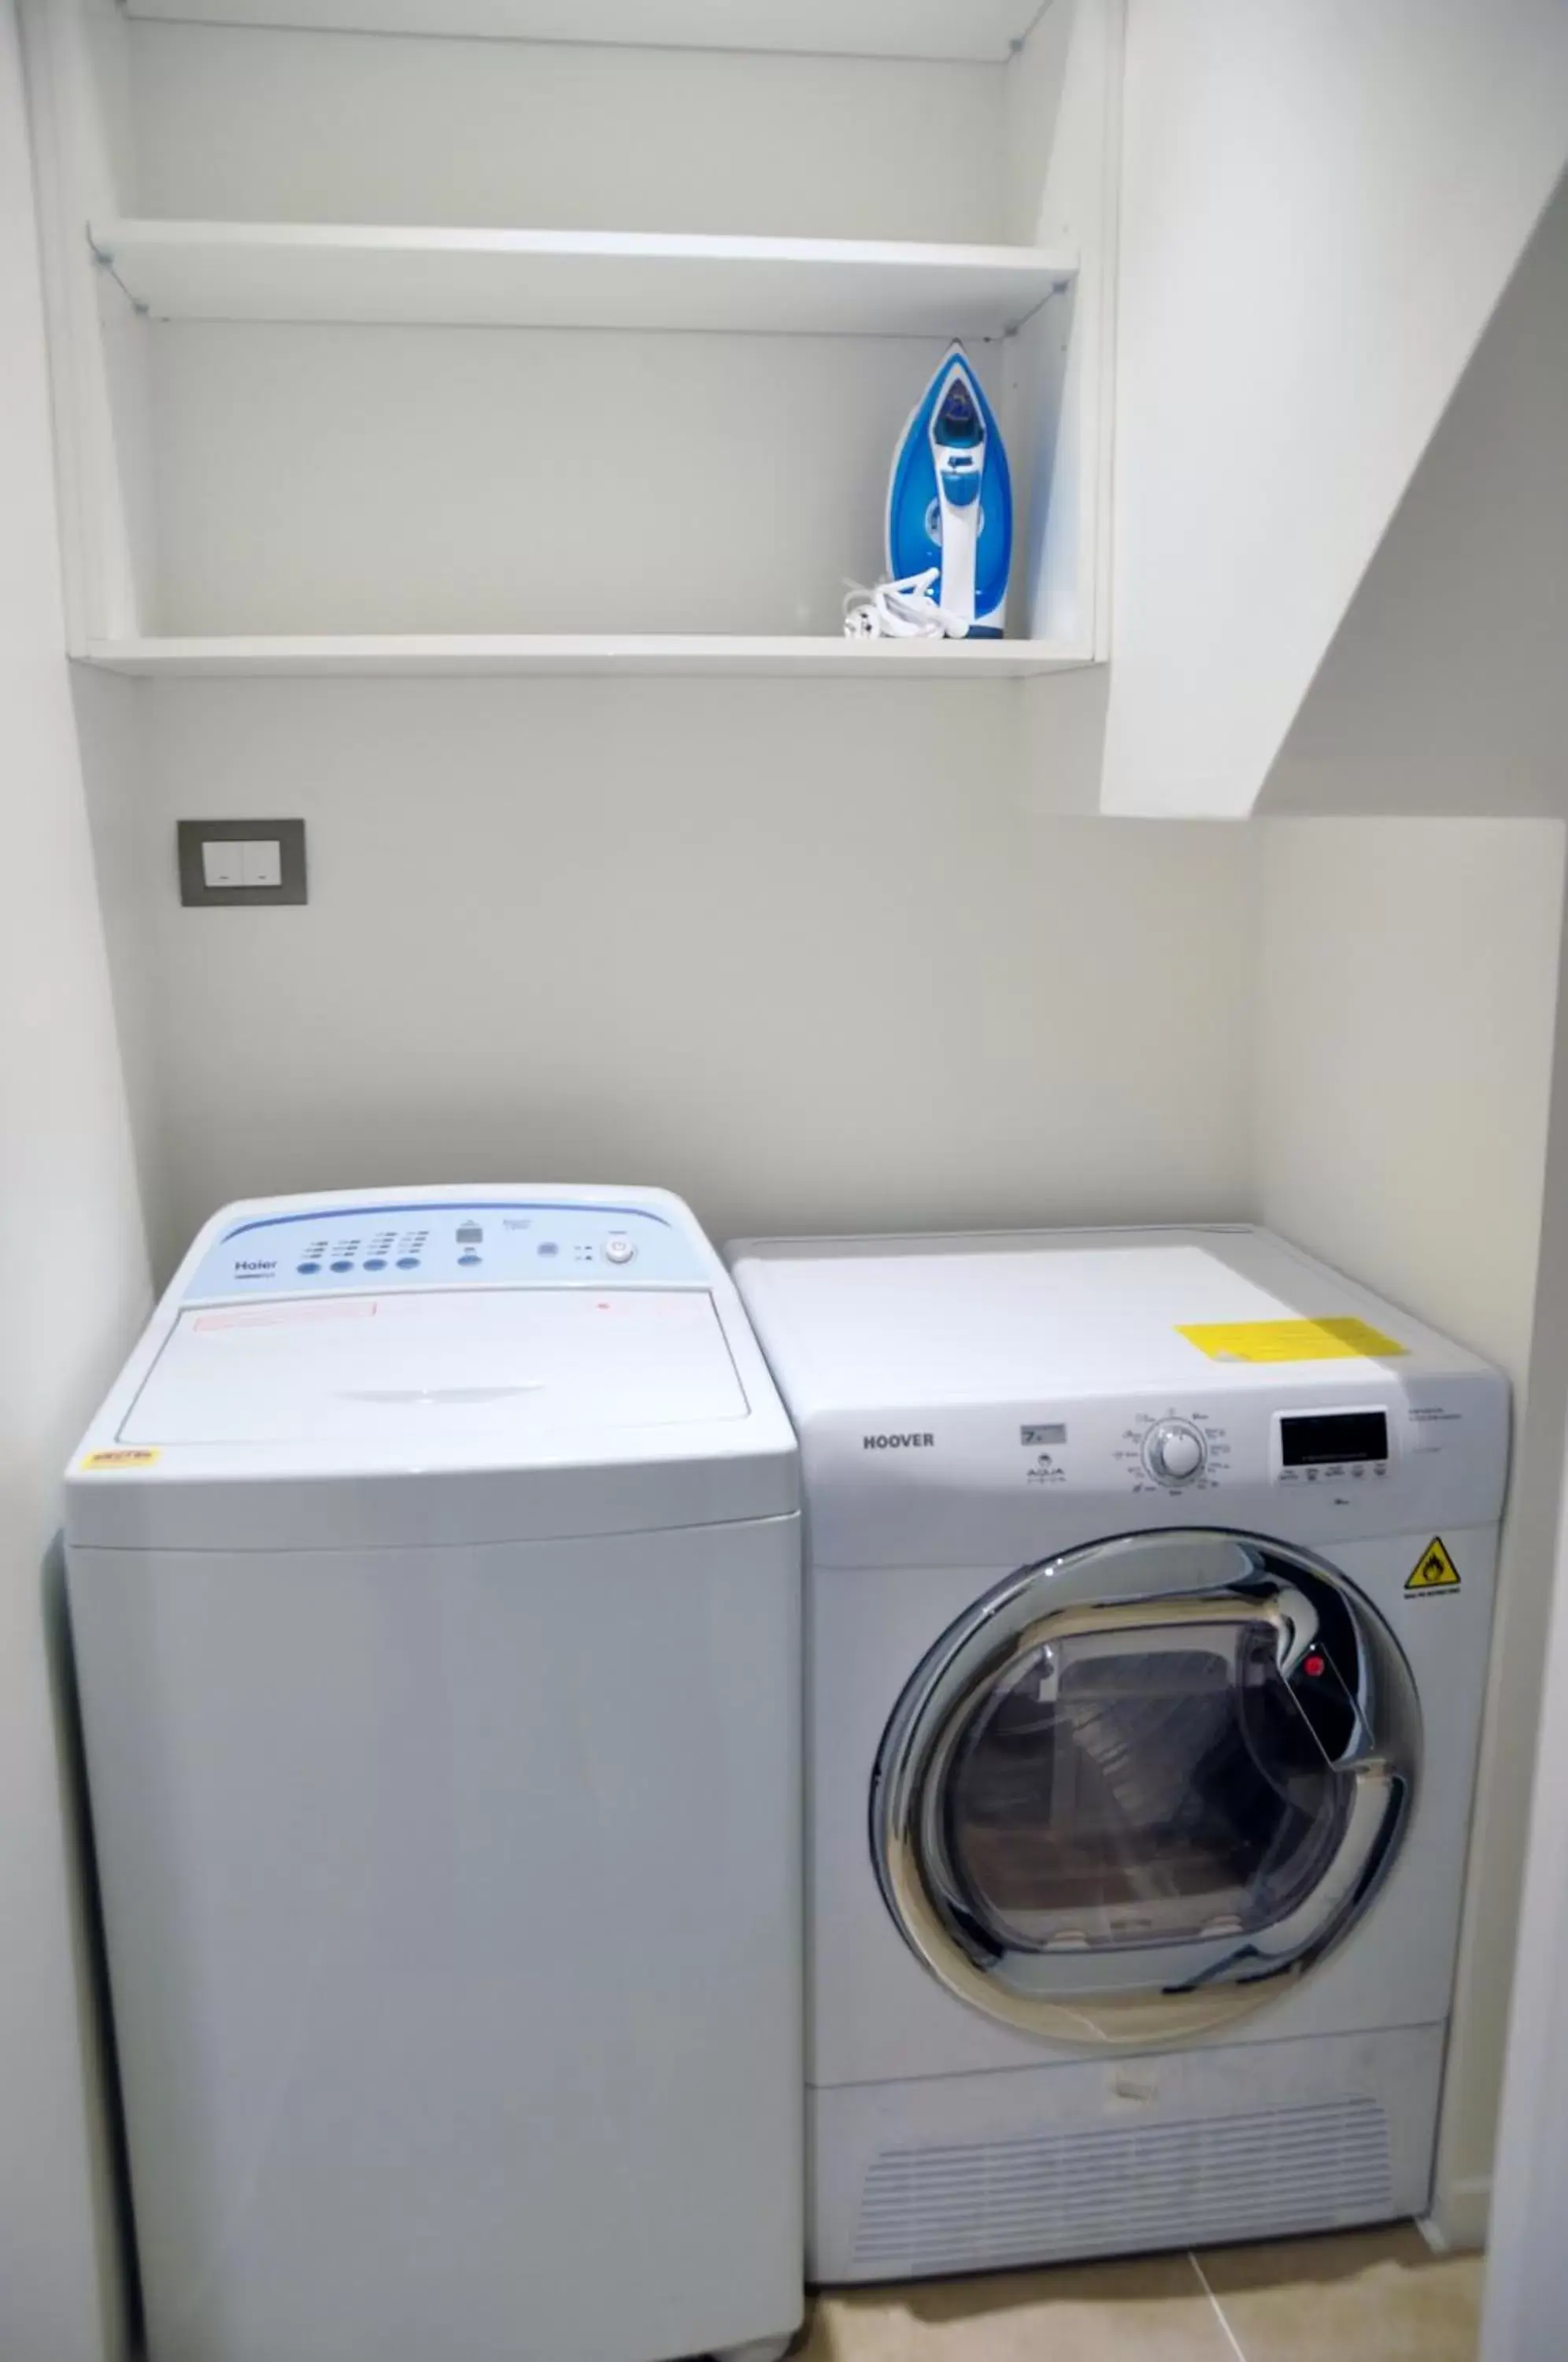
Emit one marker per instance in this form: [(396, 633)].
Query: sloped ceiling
[(1446, 687), (1322, 203)]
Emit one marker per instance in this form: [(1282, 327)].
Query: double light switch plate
[(241, 861)]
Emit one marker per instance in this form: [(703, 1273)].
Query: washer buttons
[(619, 1248)]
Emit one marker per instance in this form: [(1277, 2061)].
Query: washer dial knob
[(1173, 1452)]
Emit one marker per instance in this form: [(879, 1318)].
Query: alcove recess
[(562, 335)]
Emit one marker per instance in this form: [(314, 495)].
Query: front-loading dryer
[(1149, 1593)]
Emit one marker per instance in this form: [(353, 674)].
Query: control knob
[(1173, 1452)]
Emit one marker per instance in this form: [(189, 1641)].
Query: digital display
[(1333, 1438)]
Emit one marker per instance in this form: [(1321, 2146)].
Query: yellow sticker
[(1434, 1570), (124, 1458), (1289, 1340)]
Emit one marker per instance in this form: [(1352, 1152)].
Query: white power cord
[(906, 609)]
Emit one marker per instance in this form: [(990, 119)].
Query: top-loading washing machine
[(1148, 1599), (434, 1582)]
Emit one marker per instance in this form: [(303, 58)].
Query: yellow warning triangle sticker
[(1434, 1570)]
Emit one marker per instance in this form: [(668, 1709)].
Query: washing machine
[(1149, 1588), (434, 1579)]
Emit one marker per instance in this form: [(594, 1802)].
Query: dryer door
[(1137, 1785)]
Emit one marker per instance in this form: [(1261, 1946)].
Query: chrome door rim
[(1158, 1993)]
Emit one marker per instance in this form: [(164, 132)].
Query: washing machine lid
[(433, 1366), (438, 1375)]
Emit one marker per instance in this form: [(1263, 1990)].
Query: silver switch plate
[(288, 836)]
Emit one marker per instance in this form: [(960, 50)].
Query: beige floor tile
[(1151, 2309), (1361, 2296)]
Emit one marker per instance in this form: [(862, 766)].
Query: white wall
[(1322, 203), (112, 744), (278, 126), (1526, 2271), (293, 496), (805, 958), (1528, 2276), (1406, 1034), (73, 1280)]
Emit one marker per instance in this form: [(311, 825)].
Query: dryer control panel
[(484, 1242), (1183, 1448), (1283, 1453), (1331, 1447)]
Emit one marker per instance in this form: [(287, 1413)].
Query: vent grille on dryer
[(1154, 2185)]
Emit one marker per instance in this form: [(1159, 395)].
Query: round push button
[(408, 1262), (618, 1248)]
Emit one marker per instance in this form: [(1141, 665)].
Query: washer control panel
[(503, 1242)]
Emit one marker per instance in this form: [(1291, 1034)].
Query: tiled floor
[(1365, 2296)]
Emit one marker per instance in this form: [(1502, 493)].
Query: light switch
[(240, 865)]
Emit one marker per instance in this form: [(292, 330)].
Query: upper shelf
[(456, 654), (897, 29), (575, 279)]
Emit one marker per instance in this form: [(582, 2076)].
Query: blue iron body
[(950, 502)]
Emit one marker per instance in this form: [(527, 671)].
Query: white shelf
[(902, 28), (607, 652), (575, 279)]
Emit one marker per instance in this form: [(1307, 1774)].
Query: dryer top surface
[(1003, 1316)]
